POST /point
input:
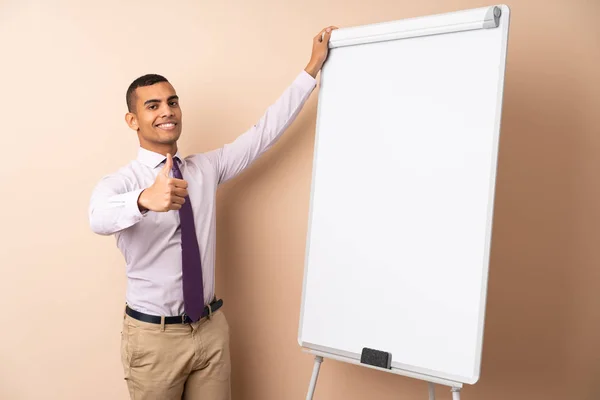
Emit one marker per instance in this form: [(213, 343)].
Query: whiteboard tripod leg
[(313, 379), (455, 393), (431, 391)]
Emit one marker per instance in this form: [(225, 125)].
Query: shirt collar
[(152, 159)]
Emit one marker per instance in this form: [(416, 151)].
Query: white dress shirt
[(151, 241)]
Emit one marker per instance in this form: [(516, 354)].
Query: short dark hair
[(145, 80)]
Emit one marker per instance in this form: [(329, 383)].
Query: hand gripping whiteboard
[(402, 194)]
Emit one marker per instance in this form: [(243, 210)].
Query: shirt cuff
[(131, 204), (306, 81)]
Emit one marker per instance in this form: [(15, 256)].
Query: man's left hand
[(319, 51)]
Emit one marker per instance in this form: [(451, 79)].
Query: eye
[(174, 103), (152, 107)]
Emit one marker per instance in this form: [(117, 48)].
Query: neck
[(160, 148)]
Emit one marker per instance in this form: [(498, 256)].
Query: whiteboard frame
[(382, 30)]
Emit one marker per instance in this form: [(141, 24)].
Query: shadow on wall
[(532, 343), (235, 277)]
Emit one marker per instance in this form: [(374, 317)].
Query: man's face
[(157, 116)]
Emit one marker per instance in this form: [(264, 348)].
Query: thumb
[(168, 165), (326, 35)]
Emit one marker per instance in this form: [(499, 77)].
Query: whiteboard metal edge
[(397, 368), (310, 206), (505, 23), (442, 23), (393, 370), (335, 354)]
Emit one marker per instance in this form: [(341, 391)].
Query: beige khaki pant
[(177, 361)]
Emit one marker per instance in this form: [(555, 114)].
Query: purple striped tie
[(193, 293)]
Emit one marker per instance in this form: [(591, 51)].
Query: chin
[(170, 137), (169, 140)]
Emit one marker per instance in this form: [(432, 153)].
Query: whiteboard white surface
[(402, 199)]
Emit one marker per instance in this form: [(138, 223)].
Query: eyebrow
[(174, 97)]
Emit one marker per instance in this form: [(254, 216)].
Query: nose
[(167, 111)]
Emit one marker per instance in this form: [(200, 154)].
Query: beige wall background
[(65, 68)]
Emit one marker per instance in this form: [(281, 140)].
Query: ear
[(132, 121)]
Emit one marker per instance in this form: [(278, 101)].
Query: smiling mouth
[(167, 126)]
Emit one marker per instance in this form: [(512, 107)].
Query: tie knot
[(175, 168)]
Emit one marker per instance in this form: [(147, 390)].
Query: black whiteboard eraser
[(376, 358)]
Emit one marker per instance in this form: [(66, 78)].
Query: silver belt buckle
[(183, 318)]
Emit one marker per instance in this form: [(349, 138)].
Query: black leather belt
[(179, 319)]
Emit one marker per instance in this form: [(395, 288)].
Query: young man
[(161, 208)]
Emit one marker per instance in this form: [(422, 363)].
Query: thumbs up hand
[(166, 193)]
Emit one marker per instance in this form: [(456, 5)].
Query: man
[(161, 208)]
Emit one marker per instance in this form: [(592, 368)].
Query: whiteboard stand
[(455, 393), (431, 391), (313, 379)]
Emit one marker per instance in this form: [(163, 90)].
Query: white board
[(403, 192)]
